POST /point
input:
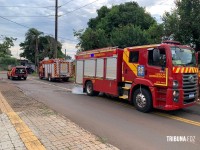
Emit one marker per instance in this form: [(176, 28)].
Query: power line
[(31, 16), (28, 6), (14, 22), (79, 8), (30, 27), (65, 3)]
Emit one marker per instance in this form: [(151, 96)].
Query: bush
[(6, 61)]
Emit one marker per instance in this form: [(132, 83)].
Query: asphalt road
[(115, 121)]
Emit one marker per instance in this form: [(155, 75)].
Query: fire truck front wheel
[(142, 100), (89, 89)]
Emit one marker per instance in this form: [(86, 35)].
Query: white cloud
[(75, 20)]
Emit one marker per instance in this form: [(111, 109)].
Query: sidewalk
[(28, 124)]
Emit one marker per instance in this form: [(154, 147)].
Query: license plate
[(191, 95)]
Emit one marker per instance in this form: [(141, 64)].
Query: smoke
[(78, 90)]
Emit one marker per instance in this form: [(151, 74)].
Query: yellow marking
[(190, 70), (186, 71), (177, 70), (29, 139), (122, 78), (191, 122), (108, 49), (132, 66), (196, 123), (166, 79), (128, 81), (145, 46), (182, 70), (124, 97), (126, 88)]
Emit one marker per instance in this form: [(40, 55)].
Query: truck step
[(126, 88), (124, 97)]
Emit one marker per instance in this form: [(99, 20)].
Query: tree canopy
[(37, 46), (182, 23), (7, 43), (121, 25)]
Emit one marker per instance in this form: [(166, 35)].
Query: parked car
[(18, 72), (29, 70)]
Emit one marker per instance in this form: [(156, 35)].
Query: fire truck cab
[(162, 76)]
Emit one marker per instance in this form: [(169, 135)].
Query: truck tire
[(65, 79), (8, 77), (11, 78), (142, 100), (25, 78), (89, 89)]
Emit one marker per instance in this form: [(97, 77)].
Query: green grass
[(34, 74), (71, 79)]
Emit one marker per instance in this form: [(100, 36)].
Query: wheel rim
[(89, 88), (141, 100)]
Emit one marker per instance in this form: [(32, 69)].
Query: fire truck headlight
[(175, 84), (176, 94)]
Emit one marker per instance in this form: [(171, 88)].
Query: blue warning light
[(91, 55)]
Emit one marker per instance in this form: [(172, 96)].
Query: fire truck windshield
[(183, 56)]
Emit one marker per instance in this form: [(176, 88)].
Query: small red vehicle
[(18, 72)]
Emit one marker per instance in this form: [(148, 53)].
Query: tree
[(7, 43), (122, 25), (155, 33), (183, 22), (30, 46), (128, 36), (46, 47), (67, 57), (37, 46)]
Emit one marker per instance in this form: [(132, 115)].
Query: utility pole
[(56, 28), (36, 54), (65, 54)]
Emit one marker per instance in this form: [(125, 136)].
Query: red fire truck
[(162, 76), (52, 69)]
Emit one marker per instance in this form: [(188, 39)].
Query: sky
[(16, 17)]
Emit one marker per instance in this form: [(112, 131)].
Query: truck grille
[(190, 87)]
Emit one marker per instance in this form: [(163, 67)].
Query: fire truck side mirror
[(156, 55)]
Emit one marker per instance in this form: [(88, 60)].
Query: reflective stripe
[(185, 70)]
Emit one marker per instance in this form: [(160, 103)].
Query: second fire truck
[(162, 76), (52, 69)]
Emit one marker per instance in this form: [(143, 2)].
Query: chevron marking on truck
[(185, 70)]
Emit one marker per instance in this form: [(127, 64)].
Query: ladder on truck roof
[(107, 49)]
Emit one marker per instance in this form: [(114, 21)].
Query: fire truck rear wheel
[(142, 100), (89, 89)]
